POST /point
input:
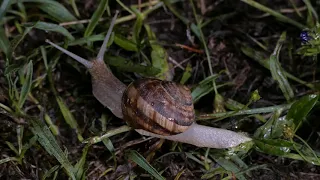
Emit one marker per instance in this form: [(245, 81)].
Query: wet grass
[(251, 65)]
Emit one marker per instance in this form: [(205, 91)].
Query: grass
[(248, 69)]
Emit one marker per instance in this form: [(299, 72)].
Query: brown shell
[(161, 107)]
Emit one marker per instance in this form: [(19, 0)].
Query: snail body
[(162, 109)]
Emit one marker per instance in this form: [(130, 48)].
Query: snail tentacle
[(103, 48), (106, 88), (81, 60)]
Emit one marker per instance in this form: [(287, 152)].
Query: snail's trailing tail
[(205, 136)]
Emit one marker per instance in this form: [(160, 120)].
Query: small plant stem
[(146, 4), (96, 139), (260, 58), (125, 7), (306, 144), (274, 13), (243, 112), (297, 157), (54, 129), (204, 45)]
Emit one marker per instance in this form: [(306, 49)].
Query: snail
[(162, 109)]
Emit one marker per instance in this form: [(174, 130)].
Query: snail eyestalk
[(106, 88), (81, 60), (103, 48)]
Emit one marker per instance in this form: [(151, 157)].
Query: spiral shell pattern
[(161, 107)]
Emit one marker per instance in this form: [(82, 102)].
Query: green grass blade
[(4, 42), (6, 108), (49, 172), (14, 149), (56, 10), (217, 171), (269, 109), (307, 153), (278, 73), (25, 147), (51, 27), (159, 56), (312, 13), (116, 131), (129, 66), (239, 161), (194, 158), (247, 170), (204, 88), (124, 7), (274, 13), (235, 105), (276, 147), (26, 87), (186, 21), (54, 128), (86, 40), (74, 7), (293, 4), (125, 43), (187, 74), (4, 7), (8, 159), (273, 128), (16, 40), (230, 166), (142, 162), (68, 117), (95, 17), (137, 28), (261, 58), (79, 167), (20, 130), (175, 12), (108, 143), (50, 144), (299, 157), (301, 108), (204, 42)]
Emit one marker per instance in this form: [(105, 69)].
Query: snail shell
[(160, 107)]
